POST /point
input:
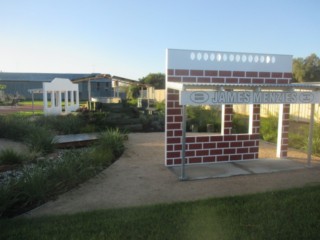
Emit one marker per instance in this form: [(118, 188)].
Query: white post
[(183, 151), (45, 99), (66, 102), (71, 97), (251, 118), (52, 99), (77, 97), (310, 135), (89, 94), (223, 108), (280, 123)]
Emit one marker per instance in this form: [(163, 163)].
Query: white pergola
[(57, 92)]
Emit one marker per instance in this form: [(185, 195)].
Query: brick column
[(226, 121), (283, 128)]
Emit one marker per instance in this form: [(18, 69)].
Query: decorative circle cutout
[(250, 58), (192, 56), (219, 57), (231, 57), (205, 56), (225, 57), (268, 59), (262, 59), (238, 58), (273, 59), (244, 58), (212, 57), (199, 56), (256, 58)]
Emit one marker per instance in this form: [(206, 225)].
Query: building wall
[(21, 88)]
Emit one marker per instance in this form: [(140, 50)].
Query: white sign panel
[(246, 97), (229, 61)]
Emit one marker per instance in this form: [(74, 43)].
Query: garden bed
[(27, 182)]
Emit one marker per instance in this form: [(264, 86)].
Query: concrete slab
[(75, 137), (229, 169), (213, 170), (74, 140), (270, 165)]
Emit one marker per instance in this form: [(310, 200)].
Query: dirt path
[(139, 177), (4, 110)]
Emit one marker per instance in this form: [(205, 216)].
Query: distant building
[(18, 84)]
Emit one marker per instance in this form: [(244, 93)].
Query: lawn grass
[(29, 103), (289, 214)]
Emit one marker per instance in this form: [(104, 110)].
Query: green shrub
[(10, 157), (68, 124), (201, 116), (5, 198), (161, 106), (113, 139), (240, 124), (102, 157), (40, 140), (315, 140), (269, 128), (48, 178), (14, 127)]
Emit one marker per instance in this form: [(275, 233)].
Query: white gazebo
[(57, 92)]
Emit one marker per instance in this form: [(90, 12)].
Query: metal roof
[(38, 77)]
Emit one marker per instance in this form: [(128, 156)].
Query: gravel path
[(139, 177)]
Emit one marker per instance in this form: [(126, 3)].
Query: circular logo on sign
[(199, 97), (306, 97)]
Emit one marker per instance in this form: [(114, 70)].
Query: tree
[(155, 79), (306, 70), (133, 91), (298, 70)]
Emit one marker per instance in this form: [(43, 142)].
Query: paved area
[(139, 177), (217, 170)]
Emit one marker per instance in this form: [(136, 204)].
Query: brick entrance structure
[(220, 69)]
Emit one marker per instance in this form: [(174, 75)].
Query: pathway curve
[(139, 177)]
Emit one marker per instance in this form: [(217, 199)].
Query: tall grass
[(40, 182), (10, 156), (113, 139), (40, 140), (69, 124), (14, 127)]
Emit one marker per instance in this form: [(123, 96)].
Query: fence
[(298, 112)]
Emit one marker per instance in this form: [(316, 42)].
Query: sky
[(129, 38)]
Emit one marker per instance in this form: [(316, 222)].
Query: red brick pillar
[(283, 129), (226, 121)]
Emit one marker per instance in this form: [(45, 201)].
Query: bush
[(240, 124), (10, 157), (39, 183), (14, 127), (113, 139), (69, 124), (269, 128), (40, 140), (201, 117), (102, 157), (315, 140)]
